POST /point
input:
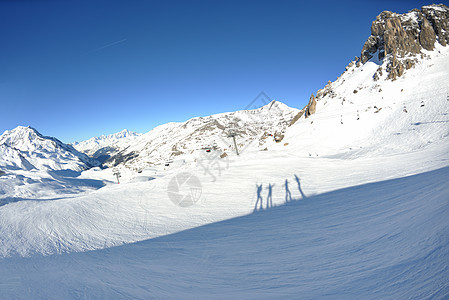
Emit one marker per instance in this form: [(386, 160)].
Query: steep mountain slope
[(366, 112), (12, 158), (366, 117)]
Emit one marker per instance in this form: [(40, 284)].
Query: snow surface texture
[(353, 202), (379, 240)]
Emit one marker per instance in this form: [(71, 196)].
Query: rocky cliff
[(401, 38)]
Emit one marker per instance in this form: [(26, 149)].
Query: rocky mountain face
[(26, 148), (401, 38), (190, 139)]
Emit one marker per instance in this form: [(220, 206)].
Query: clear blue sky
[(77, 69)]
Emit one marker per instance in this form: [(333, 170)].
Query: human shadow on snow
[(269, 199)]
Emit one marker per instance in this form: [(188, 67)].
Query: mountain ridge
[(200, 133), (37, 151)]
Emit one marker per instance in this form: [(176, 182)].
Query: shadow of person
[(259, 198), (288, 194), (270, 196), (299, 187)]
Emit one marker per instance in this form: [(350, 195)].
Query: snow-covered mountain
[(25, 148), (113, 141), (187, 140)]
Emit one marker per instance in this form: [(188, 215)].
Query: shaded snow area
[(381, 240), (353, 202)]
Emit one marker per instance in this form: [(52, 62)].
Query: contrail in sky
[(109, 45)]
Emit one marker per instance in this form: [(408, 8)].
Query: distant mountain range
[(100, 147), (188, 139), (400, 44)]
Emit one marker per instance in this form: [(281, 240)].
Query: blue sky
[(77, 69)]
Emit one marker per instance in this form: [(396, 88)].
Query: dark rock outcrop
[(438, 16), (121, 158), (298, 116), (308, 110), (327, 90), (427, 37), (397, 37), (311, 106)]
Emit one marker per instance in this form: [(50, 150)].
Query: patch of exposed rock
[(327, 90), (311, 106), (298, 116), (308, 110)]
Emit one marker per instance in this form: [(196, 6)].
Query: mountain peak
[(402, 38), (20, 133), (436, 7), (93, 144), (40, 151), (124, 133), (21, 128), (274, 105)]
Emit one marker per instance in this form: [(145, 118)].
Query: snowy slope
[(364, 117), (34, 166), (380, 240), (12, 158)]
